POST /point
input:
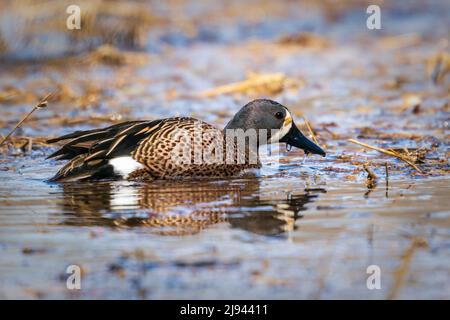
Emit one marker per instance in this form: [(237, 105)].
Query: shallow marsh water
[(300, 228)]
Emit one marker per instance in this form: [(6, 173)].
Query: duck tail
[(79, 169)]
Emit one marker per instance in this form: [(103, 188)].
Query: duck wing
[(89, 151), (124, 148)]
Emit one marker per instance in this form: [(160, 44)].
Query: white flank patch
[(125, 165), (284, 130)]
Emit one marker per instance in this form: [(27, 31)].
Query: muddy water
[(263, 237), (299, 228)]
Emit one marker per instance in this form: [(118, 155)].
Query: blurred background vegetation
[(36, 29)]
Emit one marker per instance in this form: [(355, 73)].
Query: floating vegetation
[(404, 157), (305, 39), (256, 84)]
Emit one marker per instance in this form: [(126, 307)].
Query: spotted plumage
[(175, 147)]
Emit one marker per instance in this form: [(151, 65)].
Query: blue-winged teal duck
[(169, 148)]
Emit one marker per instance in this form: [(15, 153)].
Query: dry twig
[(311, 131), (387, 174), (41, 104)]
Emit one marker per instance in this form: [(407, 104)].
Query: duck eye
[(279, 115)]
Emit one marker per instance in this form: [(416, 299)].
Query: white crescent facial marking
[(125, 165), (287, 124)]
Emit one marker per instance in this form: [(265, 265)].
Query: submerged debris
[(305, 39), (22, 145), (412, 101), (29, 251), (386, 168), (371, 180), (403, 269), (108, 54)]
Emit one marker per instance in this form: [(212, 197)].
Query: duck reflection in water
[(183, 207)]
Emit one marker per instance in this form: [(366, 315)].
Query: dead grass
[(255, 84), (390, 152)]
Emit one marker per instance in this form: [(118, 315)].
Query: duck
[(178, 147)]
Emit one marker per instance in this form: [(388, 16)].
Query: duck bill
[(297, 139)]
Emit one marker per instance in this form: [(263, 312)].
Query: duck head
[(277, 120)]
